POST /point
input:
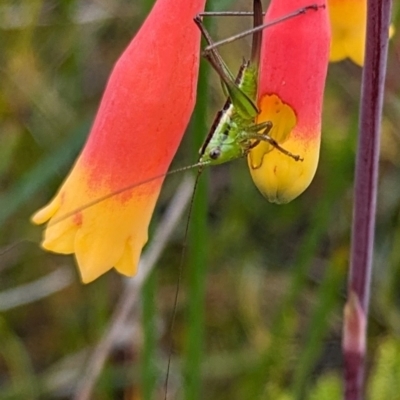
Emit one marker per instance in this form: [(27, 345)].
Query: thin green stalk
[(148, 371), (197, 256), (328, 301), (16, 359), (366, 178)]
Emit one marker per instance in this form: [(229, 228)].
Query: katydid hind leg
[(243, 104), (268, 139), (257, 15), (211, 52), (241, 101), (226, 75)]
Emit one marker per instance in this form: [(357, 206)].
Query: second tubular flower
[(293, 67), (349, 29), (349, 25), (145, 109)]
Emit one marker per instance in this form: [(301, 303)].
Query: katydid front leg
[(265, 128)]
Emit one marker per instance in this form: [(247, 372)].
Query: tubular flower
[(293, 67), (145, 109), (349, 28)]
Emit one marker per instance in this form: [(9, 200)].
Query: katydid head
[(223, 143), (220, 153)]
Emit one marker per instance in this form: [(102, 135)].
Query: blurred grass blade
[(35, 179), (16, 358), (197, 254), (149, 352)]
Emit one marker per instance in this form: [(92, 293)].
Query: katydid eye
[(215, 153)]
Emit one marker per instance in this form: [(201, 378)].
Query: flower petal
[(349, 28), (349, 25), (145, 109), (294, 60)]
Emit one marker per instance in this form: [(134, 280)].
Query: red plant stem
[(366, 177)]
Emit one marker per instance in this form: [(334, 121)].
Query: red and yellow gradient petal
[(145, 109), (294, 61), (349, 27)]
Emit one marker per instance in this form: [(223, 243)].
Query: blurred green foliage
[(274, 278)]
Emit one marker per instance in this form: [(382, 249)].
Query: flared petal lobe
[(349, 28), (294, 61), (143, 114)]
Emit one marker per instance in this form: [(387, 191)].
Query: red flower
[(294, 62), (145, 109)]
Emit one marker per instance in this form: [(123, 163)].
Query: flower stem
[(197, 255), (366, 176)]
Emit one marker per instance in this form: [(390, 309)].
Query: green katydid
[(235, 131)]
